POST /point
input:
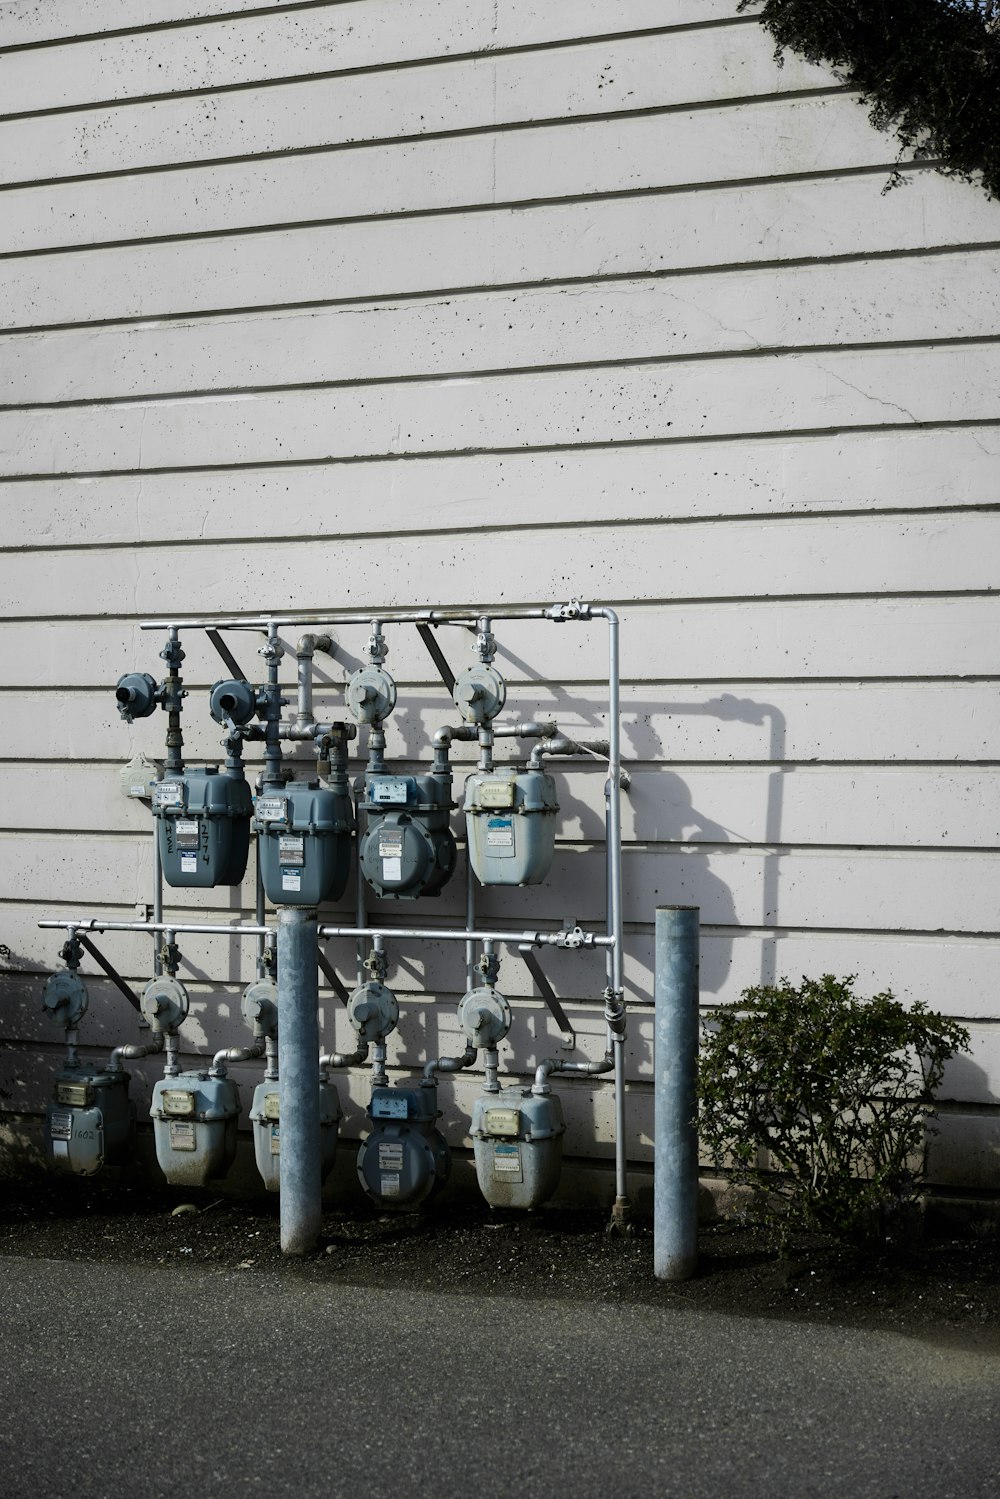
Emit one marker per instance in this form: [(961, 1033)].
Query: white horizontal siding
[(595, 78), (873, 891), (618, 236), (873, 555), (863, 471), (628, 403), (945, 808), (635, 322), (944, 297), (766, 724), (838, 638), (366, 34)]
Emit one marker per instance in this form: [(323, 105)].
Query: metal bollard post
[(675, 1060), (298, 1072)]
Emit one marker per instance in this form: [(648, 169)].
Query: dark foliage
[(927, 69), (818, 1100)]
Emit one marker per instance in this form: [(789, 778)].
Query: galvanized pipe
[(613, 825), (157, 896), (450, 1064), (251, 929), (298, 1047), (675, 1060)]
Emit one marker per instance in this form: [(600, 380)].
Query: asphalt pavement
[(194, 1381)]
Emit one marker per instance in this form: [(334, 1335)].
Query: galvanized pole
[(298, 1071), (675, 1060)]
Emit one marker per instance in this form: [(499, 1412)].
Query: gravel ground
[(943, 1286)]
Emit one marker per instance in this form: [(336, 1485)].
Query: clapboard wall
[(493, 302)]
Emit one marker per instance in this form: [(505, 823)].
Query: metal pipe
[(450, 1064), (230, 1054), (305, 649), (356, 616), (491, 1066), (380, 1076), (571, 939), (259, 912), (171, 1046), (298, 1047), (360, 899), (675, 1060), (592, 1069), (134, 1053), (270, 1059), (615, 999), (96, 924), (470, 920), (345, 1058), (157, 897), (72, 1042), (272, 653)]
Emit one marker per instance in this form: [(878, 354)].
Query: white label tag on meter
[(291, 879), (181, 1135), (275, 1139), (189, 863), (388, 789), (390, 1155), (500, 837), (271, 809), (507, 1159), (291, 849), (390, 1186), (392, 871)]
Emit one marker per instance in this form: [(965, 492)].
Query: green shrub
[(929, 70), (818, 1100)]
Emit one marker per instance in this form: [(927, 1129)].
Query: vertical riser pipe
[(675, 1062), (298, 1061)]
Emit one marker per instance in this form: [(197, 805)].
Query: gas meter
[(304, 842), (405, 1158), (265, 1116), (517, 1138), (510, 819), (408, 848), (203, 826), (90, 1122), (194, 1126)]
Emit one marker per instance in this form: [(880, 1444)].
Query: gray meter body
[(194, 1126), (517, 1139), (203, 826), (510, 818), (90, 1122), (408, 848), (405, 1158), (304, 841), (265, 1116)]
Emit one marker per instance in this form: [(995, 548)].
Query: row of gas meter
[(205, 815), (91, 1121), (394, 825)]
